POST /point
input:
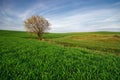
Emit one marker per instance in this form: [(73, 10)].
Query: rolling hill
[(60, 56)]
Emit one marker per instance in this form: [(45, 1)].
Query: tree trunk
[(39, 36)]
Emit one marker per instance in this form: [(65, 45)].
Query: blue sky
[(64, 15)]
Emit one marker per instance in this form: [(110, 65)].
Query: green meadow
[(60, 56)]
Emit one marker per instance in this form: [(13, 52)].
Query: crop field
[(60, 56)]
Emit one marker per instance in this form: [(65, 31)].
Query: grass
[(106, 42), (61, 56)]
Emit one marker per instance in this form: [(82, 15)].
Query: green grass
[(60, 56), (108, 42)]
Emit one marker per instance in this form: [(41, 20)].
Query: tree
[(37, 25)]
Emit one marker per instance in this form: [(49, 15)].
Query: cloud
[(110, 29), (13, 20), (88, 21), (32, 10), (64, 16)]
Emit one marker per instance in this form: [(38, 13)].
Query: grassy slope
[(99, 41), (24, 58)]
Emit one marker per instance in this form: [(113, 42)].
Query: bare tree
[(37, 25)]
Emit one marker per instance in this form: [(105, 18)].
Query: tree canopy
[(37, 25)]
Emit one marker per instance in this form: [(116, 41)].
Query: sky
[(63, 15)]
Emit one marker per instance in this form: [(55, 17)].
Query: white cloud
[(83, 19), (32, 10), (12, 20), (88, 21)]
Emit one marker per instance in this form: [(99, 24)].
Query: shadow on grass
[(30, 38)]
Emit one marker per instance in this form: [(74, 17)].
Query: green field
[(60, 56)]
